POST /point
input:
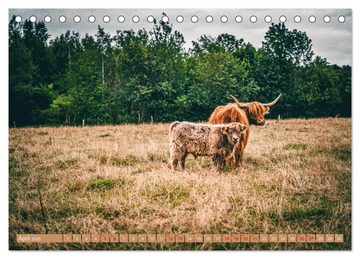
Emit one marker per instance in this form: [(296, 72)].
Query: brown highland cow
[(242, 112)]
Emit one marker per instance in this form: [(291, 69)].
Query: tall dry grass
[(296, 178)]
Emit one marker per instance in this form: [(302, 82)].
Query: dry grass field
[(296, 178)]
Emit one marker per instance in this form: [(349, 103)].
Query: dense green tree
[(292, 47), (151, 69), (283, 51), (65, 49), (87, 94), (213, 77), (223, 43), (145, 75), (35, 39), (317, 90), (344, 86), (25, 98)]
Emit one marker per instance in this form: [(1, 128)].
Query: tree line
[(148, 75)]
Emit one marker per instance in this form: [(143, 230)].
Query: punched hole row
[(180, 19)]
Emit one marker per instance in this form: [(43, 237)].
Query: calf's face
[(233, 131)]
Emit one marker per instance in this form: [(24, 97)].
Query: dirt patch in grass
[(104, 135)]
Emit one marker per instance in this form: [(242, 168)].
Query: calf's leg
[(239, 154), (182, 161), (218, 161), (174, 159)]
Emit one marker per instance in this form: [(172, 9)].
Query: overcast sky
[(331, 40)]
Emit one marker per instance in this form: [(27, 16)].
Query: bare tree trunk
[(102, 69), (69, 57)]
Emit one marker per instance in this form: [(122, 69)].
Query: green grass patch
[(257, 163), (15, 170), (65, 164), (206, 162), (175, 195), (306, 213), (296, 146), (19, 173), (129, 160), (68, 209), (201, 190), (304, 209), (262, 190), (301, 197), (24, 215), (101, 183), (236, 202), (342, 153), (107, 213)]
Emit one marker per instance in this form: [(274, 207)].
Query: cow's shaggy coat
[(242, 112), (216, 141), (232, 113)]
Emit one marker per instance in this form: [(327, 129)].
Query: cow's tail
[(174, 124), (171, 128), (172, 141)]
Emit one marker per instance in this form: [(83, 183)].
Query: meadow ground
[(296, 178)]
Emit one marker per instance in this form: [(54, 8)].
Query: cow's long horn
[(273, 102), (241, 105)]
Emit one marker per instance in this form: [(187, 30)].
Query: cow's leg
[(182, 161), (236, 155), (222, 164), (174, 158), (238, 159), (241, 147), (174, 163), (239, 154), (215, 160), (218, 161), (230, 161)]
